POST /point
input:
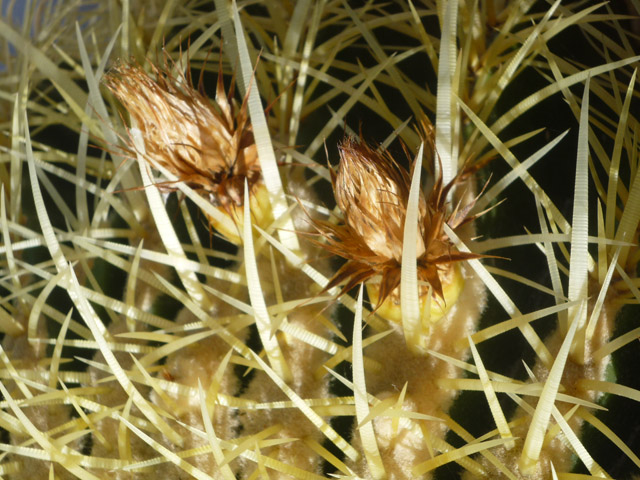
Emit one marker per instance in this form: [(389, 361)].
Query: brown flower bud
[(205, 144), (372, 191)]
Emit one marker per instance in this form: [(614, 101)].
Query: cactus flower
[(208, 145), (372, 191)]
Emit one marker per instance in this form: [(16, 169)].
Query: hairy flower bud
[(205, 144), (372, 191)]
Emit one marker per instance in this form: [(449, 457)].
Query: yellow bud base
[(230, 224), (452, 285)]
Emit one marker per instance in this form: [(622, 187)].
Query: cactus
[(317, 240)]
